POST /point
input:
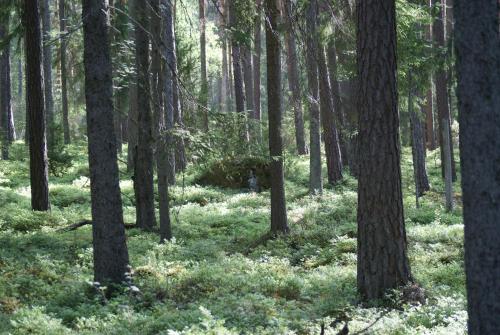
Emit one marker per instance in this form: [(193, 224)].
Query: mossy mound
[(235, 173)]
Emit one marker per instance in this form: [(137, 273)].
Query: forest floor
[(220, 275)]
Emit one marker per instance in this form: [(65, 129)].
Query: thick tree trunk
[(448, 183), (108, 230), (35, 108), (278, 205), (478, 67), (382, 247), (143, 174), (64, 75), (417, 146), (256, 61), (47, 70), (8, 132), (315, 180), (203, 65), (337, 102), (442, 102), (293, 80), (330, 133)]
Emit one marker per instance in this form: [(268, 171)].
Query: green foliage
[(60, 159)]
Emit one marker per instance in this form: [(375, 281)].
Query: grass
[(219, 276)]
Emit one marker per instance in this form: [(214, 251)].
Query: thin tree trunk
[(256, 62), (478, 69), (382, 247), (447, 167), (64, 75), (35, 108), (293, 80), (143, 174), (278, 204), (203, 65), (417, 145), (8, 132), (132, 130), (330, 134), (442, 89), (337, 102), (20, 75), (315, 180), (108, 230), (225, 80), (47, 69)]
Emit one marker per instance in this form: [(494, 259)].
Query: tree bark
[(293, 80), (337, 102), (417, 145), (203, 65), (225, 88), (35, 108), (382, 247), (256, 61), (442, 102), (448, 183), (478, 67), (315, 180), (64, 75), (108, 230), (132, 130), (47, 69), (143, 174), (330, 133), (8, 132), (278, 205)]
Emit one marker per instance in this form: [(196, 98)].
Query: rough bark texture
[(64, 75), (278, 205), (35, 108), (47, 68), (330, 134), (143, 174), (203, 65), (337, 102), (8, 132), (108, 230), (382, 248), (417, 146), (293, 80), (315, 180), (478, 65), (256, 61), (443, 108)]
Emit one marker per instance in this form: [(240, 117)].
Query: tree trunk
[(278, 205), (132, 131), (246, 56), (20, 74), (382, 247), (47, 70), (143, 174), (337, 102), (167, 156), (442, 88), (35, 108), (330, 134), (8, 132), (203, 65), (417, 145), (108, 230), (237, 72), (293, 80), (448, 183), (315, 180), (225, 88), (478, 67), (256, 62), (64, 75)]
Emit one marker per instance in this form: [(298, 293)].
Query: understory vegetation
[(221, 274)]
